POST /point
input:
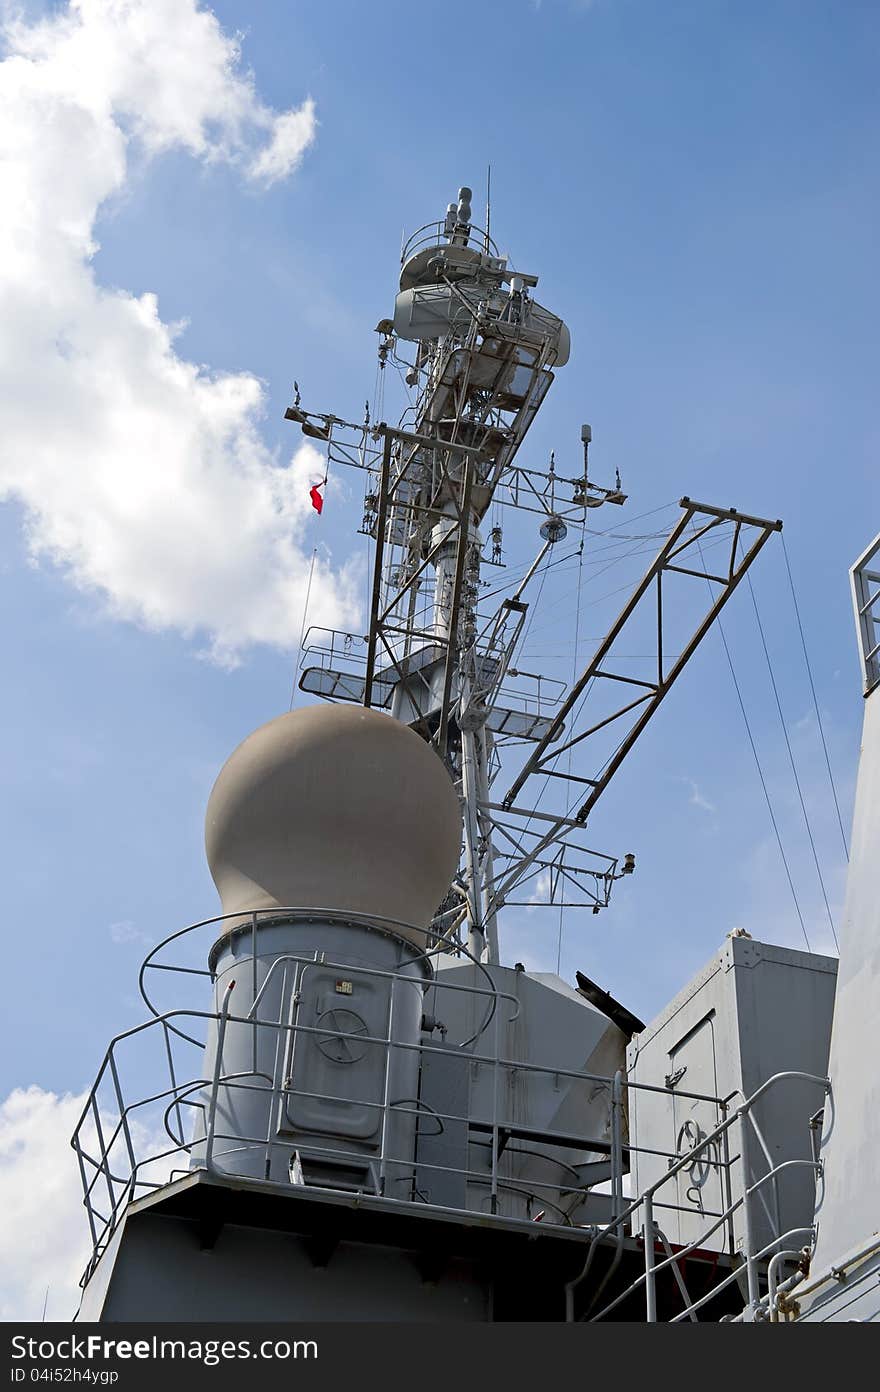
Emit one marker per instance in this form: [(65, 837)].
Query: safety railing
[(435, 234), (342, 659), (865, 577), (742, 1119), (122, 1153), (154, 1114)]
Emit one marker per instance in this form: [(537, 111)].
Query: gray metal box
[(754, 1011)]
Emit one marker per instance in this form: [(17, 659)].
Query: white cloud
[(125, 932), (44, 1233), (291, 136), (44, 1236), (540, 892), (697, 797), (142, 475)]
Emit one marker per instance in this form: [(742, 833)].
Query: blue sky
[(695, 184)]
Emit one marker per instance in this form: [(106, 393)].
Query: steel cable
[(815, 701), (745, 717), (797, 781)]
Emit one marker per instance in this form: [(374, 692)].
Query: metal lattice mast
[(482, 359)]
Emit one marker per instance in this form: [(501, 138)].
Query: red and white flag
[(317, 497)]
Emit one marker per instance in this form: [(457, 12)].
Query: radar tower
[(484, 355)]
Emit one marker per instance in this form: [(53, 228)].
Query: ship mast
[(482, 353)]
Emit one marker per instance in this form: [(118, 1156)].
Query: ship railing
[(534, 693), (342, 658), (134, 1134), (333, 645), (754, 1257), (865, 578), (122, 1154), (435, 234), (145, 1172)]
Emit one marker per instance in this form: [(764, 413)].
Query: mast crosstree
[(484, 356)]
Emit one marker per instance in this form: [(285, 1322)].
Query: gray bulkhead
[(755, 1010), (543, 1032)]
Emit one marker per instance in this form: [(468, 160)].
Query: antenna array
[(484, 354)]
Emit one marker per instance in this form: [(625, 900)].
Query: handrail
[(215, 1081), (735, 1274), (312, 912), (436, 235), (115, 1156), (646, 1198), (100, 1167)]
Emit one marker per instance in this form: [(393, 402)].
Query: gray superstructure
[(343, 1103), (843, 1282)]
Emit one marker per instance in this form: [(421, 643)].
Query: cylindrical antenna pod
[(464, 206), (332, 834)]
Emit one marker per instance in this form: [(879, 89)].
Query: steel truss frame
[(422, 480), (574, 876), (747, 537), (386, 619), (457, 470)]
